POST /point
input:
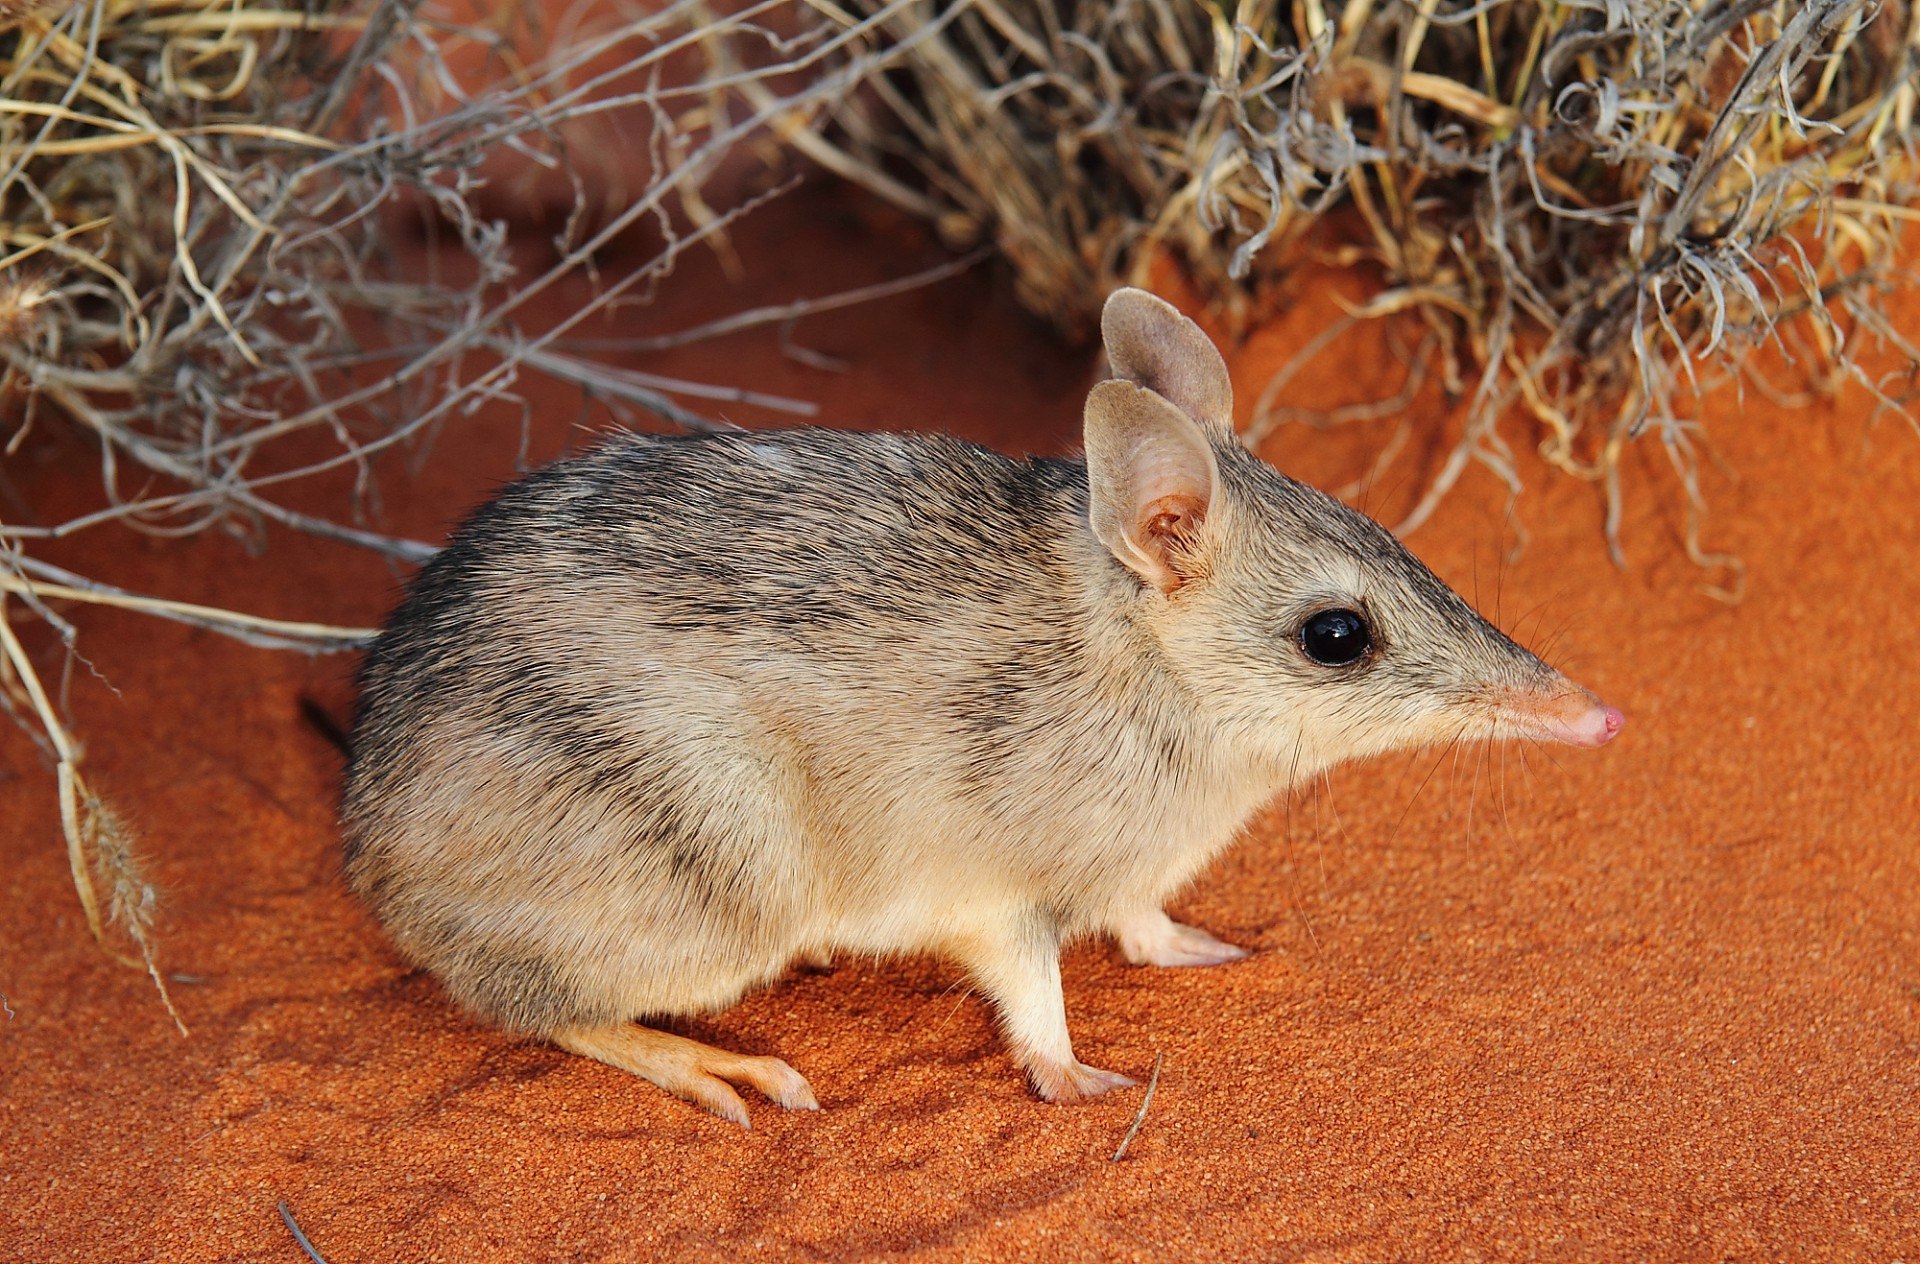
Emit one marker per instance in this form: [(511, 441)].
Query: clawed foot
[(1160, 941), (709, 1085), (694, 1072), (1074, 1081)]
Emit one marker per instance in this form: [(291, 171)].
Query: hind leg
[(697, 1073)]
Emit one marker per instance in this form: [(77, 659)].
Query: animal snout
[(1557, 711), (1579, 719)]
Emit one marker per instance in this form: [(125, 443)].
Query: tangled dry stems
[(1586, 209), (195, 201), (1590, 211)]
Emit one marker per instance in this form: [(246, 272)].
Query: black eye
[(1336, 638)]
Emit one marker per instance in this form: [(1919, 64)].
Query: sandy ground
[(1659, 1001)]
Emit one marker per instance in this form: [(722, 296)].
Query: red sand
[(1656, 1001)]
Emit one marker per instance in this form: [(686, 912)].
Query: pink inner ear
[(1168, 534), (1174, 518)]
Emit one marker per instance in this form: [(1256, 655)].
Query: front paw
[(1161, 941), (1074, 1081)]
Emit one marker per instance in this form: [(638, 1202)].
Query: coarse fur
[(667, 716)]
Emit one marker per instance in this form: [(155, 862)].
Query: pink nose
[(1595, 725)]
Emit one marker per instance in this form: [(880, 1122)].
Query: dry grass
[(1588, 212), (1585, 211), (195, 289)]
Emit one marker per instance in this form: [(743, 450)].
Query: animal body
[(666, 717)]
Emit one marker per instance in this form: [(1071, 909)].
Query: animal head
[(1306, 626)]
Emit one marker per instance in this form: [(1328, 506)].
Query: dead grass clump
[(196, 294), (1593, 211), (175, 220)]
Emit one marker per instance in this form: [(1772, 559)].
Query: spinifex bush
[(1590, 206), (198, 295)]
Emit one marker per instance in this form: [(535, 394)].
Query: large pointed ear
[(1152, 345), (1154, 484)]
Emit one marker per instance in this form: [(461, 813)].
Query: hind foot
[(691, 1071)]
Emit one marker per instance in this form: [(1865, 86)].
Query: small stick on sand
[(1140, 1116), (286, 1214)]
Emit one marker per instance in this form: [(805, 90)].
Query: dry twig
[(1140, 1116)]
